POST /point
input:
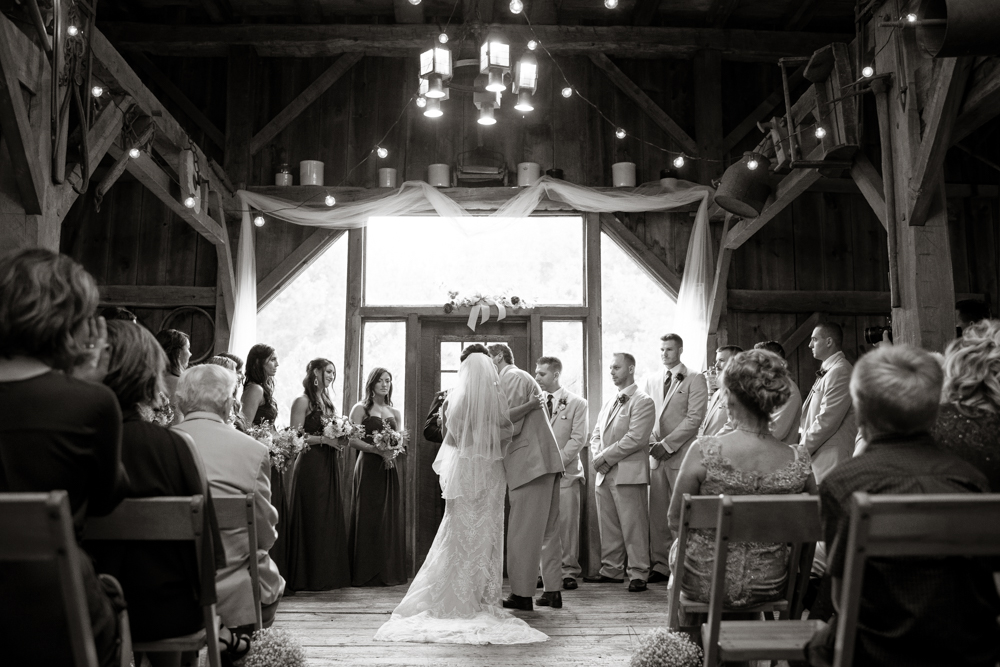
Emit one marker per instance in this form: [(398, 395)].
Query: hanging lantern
[(743, 191), (525, 82), (494, 61), (485, 100), (435, 68), (486, 116), (433, 109), (524, 102)]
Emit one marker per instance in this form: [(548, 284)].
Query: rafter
[(633, 246), (294, 264), (15, 125), (982, 101), (870, 183), (804, 11), (651, 108)]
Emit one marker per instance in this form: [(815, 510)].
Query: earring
[(315, 382)]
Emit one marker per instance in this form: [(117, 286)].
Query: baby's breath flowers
[(272, 647), (666, 648)]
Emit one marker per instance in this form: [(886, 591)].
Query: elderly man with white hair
[(235, 464)]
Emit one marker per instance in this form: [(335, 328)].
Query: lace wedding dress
[(455, 597)]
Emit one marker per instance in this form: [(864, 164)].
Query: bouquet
[(285, 446), (666, 648), (342, 427), (262, 433), (272, 647), (390, 443)]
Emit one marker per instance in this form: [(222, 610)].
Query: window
[(384, 346), (451, 355), (564, 340), (417, 261)]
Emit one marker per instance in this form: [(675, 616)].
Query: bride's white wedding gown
[(456, 596)]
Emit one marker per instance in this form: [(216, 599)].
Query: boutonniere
[(562, 404), (680, 378), (623, 398)]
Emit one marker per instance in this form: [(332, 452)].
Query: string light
[(134, 153), (258, 220), (97, 91), (382, 152), (678, 161), (421, 102), (752, 164), (72, 31), (189, 202), (610, 4), (443, 38), (620, 133), (567, 92), (868, 72), (911, 17), (532, 45), (820, 132), (329, 200), (516, 6)]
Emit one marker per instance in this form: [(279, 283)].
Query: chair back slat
[(792, 518), (700, 512), (163, 518), (237, 512)]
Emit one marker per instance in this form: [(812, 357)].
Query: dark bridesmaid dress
[(378, 546), (268, 412), (317, 537)]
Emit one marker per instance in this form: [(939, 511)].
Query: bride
[(455, 597)]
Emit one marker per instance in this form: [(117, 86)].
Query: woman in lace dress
[(455, 597), (746, 461)]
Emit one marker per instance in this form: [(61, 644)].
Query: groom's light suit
[(533, 466)]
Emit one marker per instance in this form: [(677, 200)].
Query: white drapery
[(417, 197)]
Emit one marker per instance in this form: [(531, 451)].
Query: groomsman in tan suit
[(681, 398), (717, 413), (533, 467), (620, 446), (828, 427), (567, 414)]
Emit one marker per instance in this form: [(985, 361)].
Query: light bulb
[(516, 6), (382, 152), (911, 17), (620, 133), (133, 153), (820, 132), (72, 31), (868, 72), (329, 200), (433, 109), (486, 116), (421, 101), (414, 2), (524, 103), (752, 164), (258, 220), (189, 202), (567, 92), (443, 38), (532, 45), (679, 161), (97, 91), (610, 4)]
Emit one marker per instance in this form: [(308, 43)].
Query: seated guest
[(161, 580), (746, 461), (786, 417), (968, 423), (57, 432), (917, 612), (235, 464)]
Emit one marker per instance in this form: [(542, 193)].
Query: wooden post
[(240, 83), (412, 423), (590, 540), (352, 352), (708, 119)]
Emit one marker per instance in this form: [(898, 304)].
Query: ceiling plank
[(720, 11), (762, 111), (651, 108), (157, 296), (644, 12), (311, 11), (407, 40), (633, 246), (982, 101)]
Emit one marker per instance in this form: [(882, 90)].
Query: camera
[(873, 335)]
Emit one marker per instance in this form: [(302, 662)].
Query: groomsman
[(717, 413), (680, 396), (567, 413), (620, 445), (533, 467), (786, 417), (828, 427)]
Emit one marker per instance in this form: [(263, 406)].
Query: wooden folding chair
[(39, 527), (237, 512), (791, 519), (702, 512), (910, 525), (169, 519)]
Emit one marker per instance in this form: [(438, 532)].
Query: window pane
[(450, 354), (300, 331), (636, 312), (564, 340), (448, 380), (384, 345), (417, 261)]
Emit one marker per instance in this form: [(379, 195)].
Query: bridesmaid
[(177, 346), (259, 407), (317, 538), (377, 541)]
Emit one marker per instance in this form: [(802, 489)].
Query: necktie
[(614, 410), (548, 405), (666, 383)]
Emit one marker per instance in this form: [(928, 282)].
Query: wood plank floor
[(596, 626)]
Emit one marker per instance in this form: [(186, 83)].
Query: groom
[(533, 466)]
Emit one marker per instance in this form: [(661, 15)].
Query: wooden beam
[(217, 12), (634, 247), (406, 40), (352, 317), (590, 529), (763, 110), (801, 334), (870, 183), (294, 264), (171, 90), (791, 186), (826, 301), (304, 99), (311, 11), (644, 102), (719, 291), (15, 124), (708, 120), (720, 11), (804, 11), (225, 278), (644, 11), (982, 101), (240, 84), (157, 296), (406, 12), (938, 119)]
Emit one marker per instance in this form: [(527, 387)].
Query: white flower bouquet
[(389, 442), (342, 427), (666, 648), (271, 647)]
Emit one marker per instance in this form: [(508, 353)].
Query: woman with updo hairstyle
[(745, 461), (968, 422), (58, 432), (317, 539)]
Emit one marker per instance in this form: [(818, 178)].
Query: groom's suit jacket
[(680, 413), (828, 426), (569, 424), (621, 436), (533, 451)]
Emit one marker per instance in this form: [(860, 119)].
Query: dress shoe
[(539, 583), (550, 599), (602, 580), (518, 602), (656, 577), (636, 586), (569, 583)]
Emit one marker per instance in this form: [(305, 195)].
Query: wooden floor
[(596, 626)]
